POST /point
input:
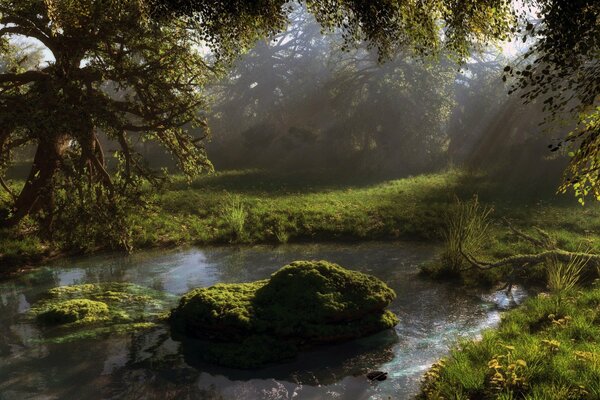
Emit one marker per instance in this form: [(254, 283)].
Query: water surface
[(150, 365)]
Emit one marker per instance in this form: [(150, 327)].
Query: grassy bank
[(257, 207), (549, 348)]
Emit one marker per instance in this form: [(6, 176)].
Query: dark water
[(150, 365)]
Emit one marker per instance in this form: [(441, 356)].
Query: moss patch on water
[(304, 303), (70, 311), (90, 310)]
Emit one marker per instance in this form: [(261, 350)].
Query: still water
[(150, 365)]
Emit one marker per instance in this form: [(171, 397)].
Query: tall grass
[(564, 276), (466, 227), (234, 216)]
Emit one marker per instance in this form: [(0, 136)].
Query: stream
[(149, 365)]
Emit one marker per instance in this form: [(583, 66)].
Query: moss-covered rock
[(89, 310), (304, 303)]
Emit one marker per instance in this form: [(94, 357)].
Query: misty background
[(303, 102)]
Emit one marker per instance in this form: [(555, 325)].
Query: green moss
[(222, 311), (88, 310), (306, 302), (69, 311)]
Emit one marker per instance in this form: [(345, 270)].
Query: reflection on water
[(150, 365)]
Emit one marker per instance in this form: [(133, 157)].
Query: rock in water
[(304, 303), (377, 376)]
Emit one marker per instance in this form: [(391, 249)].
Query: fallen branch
[(525, 260), (522, 260)]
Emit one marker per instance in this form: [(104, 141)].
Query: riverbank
[(549, 348), (250, 207)]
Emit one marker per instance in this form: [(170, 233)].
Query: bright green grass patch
[(304, 303), (88, 310), (547, 349), (222, 209)]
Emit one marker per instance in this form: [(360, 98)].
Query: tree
[(132, 70), (116, 74), (564, 66), (564, 74)]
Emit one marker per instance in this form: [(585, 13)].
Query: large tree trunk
[(38, 189)]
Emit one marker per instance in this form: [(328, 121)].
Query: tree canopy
[(563, 72), (115, 77), (561, 68)]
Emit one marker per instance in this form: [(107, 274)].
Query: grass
[(565, 276), (466, 229), (257, 207), (547, 349)]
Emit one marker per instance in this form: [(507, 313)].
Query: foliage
[(298, 101), (304, 303), (83, 311), (562, 73), (583, 172), (548, 348), (116, 78), (234, 216), (388, 26)]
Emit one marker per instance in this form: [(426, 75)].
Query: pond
[(149, 365)]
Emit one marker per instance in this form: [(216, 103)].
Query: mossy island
[(85, 311), (305, 303)]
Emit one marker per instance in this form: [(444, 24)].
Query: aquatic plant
[(304, 303), (77, 310), (88, 310)]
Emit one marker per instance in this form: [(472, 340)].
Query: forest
[(305, 199)]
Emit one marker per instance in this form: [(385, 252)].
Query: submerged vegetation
[(90, 310), (304, 303)]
